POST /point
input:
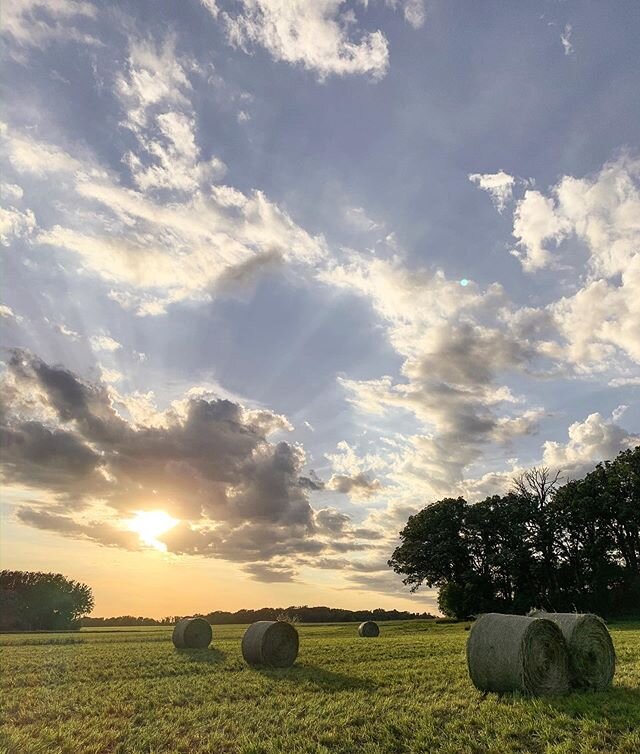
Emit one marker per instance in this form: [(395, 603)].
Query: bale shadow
[(619, 706), (325, 679), (210, 655)]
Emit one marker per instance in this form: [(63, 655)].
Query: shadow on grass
[(619, 706), (211, 655), (325, 679)]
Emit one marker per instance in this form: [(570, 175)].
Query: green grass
[(129, 691)]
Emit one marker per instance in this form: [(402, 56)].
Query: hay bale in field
[(270, 642), (192, 633), (369, 629), (592, 658), (516, 653)]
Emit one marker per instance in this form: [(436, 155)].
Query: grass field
[(130, 691)]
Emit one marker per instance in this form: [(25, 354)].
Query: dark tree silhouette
[(34, 601), (575, 546)]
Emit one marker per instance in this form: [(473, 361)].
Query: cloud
[(32, 156), (154, 89), (10, 192), (36, 23), (207, 462), (357, 218), (270, 574), (457, 344), (498, 185), (414, 12), (67, 331), (589, 442), (600, 214), (178, 234), (359, 486), (6, 312), (319, 35), (565, 38), (104, 343), (15, 223)]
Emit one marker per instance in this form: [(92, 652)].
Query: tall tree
[(42, 601), (569, 547)]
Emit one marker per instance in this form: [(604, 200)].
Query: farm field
[(128, 691)]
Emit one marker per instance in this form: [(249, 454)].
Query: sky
[(279, 273)]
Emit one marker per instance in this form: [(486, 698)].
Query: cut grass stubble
[(131, 692)]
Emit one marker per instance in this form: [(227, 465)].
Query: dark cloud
[(270, 574), (245, 275), (311, 482), (237, 495), (103, 532), (358, 485)]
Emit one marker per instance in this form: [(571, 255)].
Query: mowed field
[(130, 691)]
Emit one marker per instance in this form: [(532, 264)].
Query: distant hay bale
[(369, 629), (592, 658), (192, 633), (516, 653), (270, 642)]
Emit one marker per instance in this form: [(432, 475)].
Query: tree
[(564, 548), (433, 550), (34, 601)]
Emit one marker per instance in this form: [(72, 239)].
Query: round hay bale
[(592, 658), (192, 633), (270, 642), (516, 653), (369, 628)]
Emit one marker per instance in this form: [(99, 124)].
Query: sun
[(149, 525)]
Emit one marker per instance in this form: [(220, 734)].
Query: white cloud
[(499, 185), (67, 331), (15, 223), (346, 461), (6, 312), (35, 23), (535, 225), (155, 89), (565, 38), (178, 236), (110, 375), (589, 442), (104, 343), (602, 213), (319, 35), (29, 155), (415, 13), (10, 192)]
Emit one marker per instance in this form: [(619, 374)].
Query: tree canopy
[(560, 547), (35, 601)]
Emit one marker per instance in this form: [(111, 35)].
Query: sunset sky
[(279, 273)]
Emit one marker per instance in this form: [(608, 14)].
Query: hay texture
[(192, 633), (272, 643), (516, 653), (592, 658), (369, 628)]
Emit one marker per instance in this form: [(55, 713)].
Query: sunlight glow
[(149, 525)]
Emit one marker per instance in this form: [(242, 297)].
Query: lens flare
[(464, 282), (149, 525)]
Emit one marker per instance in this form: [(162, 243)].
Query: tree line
[(301, 614), (561, 547)]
